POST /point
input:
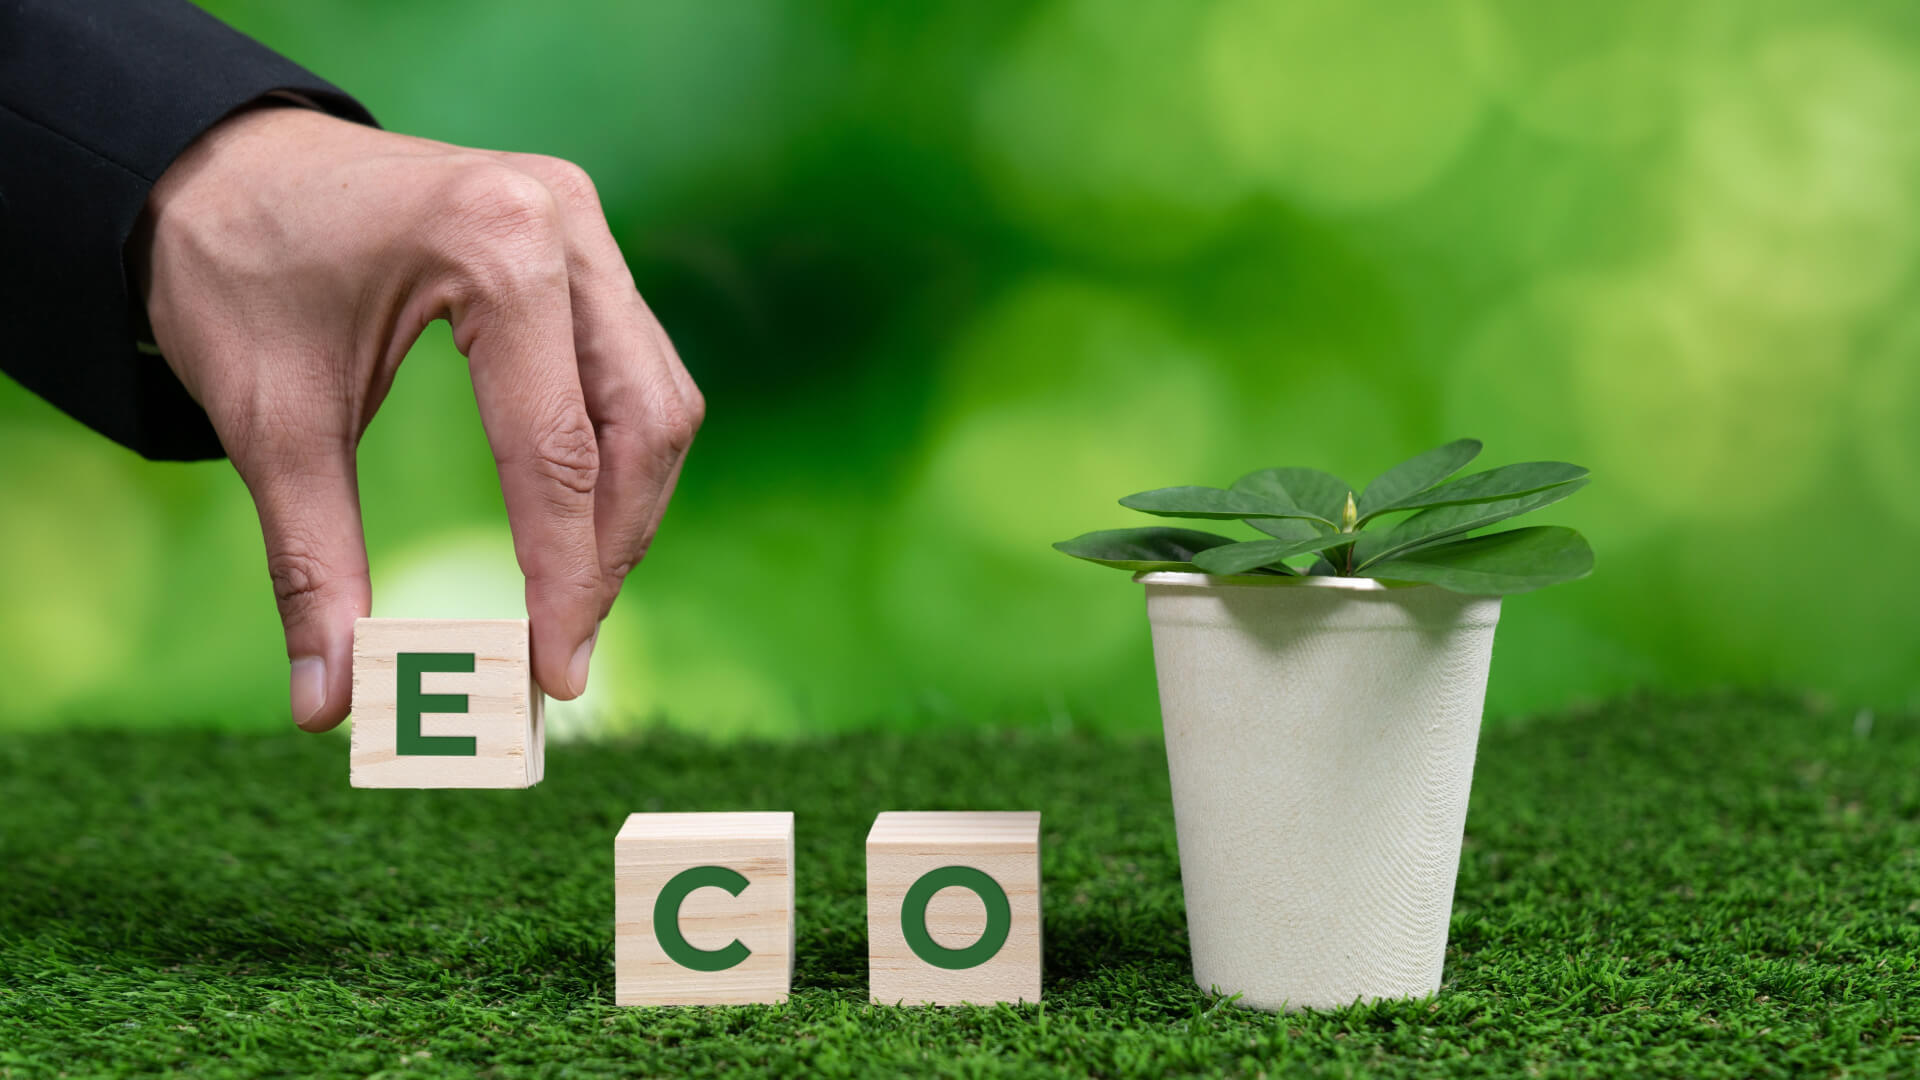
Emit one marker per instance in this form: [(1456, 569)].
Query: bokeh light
[(1341, 105), (1603, 75), (956, 276), (1797, 178), (84, 543), (1093, 126), (1886, 405)]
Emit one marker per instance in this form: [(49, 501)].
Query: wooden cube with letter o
[(703, 909), (445, 703), (953, 908)]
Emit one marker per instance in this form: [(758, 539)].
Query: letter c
[(666, 919)]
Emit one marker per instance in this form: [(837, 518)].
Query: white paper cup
[(1320, 737)]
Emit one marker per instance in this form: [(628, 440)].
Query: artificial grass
[(1692, 889)]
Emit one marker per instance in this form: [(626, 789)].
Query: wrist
[(245, 132)]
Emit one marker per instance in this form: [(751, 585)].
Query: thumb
[(317, 556)]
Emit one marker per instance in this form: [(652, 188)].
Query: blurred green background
[(955, 276)]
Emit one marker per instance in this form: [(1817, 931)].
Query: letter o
[(913, 917)]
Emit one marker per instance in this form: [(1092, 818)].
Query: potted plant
[(1321, 718)]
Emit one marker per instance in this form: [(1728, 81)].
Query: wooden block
[(445, 703), (703, 909), (953, 908)]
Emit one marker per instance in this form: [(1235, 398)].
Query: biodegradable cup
[(1320, 737)]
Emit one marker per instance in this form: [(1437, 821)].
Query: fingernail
[(309, 685), (577, 667)]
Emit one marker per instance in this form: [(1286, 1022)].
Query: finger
[(513, 320), (696, 407), (645, 431), (309, 504), (644, 407)]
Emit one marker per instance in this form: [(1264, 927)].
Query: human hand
[(289, 260)]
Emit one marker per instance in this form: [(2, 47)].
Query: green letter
[(666, 919), (913, 917), (411, 703)]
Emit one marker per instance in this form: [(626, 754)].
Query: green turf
[(1724, 888)]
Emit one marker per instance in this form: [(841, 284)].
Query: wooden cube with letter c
[(703, 909), (445, 703), (953, 908)]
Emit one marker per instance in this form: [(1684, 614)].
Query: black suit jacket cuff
[(97, 98)]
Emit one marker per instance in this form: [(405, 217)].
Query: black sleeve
[(97, 97)]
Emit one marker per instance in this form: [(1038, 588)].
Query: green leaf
[(1156, 548), (1441, 522), (1291, 528), (1253, 554), (1416, 474), (1515, 561), (1505, 482), (1208, 502), (1322, 494)]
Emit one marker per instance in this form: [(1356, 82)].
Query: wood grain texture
[(504, 705), (650, 850), (902, 847)]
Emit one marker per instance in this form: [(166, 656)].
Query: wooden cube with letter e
[(953, 908), (445, 703)]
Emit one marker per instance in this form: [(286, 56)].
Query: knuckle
[(696, 406), (566, 453), (675, 432), (504, 229), (568, 182), (576, 587), (658, 441), (618, 570), (300, 579), (503, 199)]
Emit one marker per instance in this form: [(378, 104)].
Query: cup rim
[(1183, 579)]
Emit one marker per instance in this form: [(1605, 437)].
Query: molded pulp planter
[(1320, 736)]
